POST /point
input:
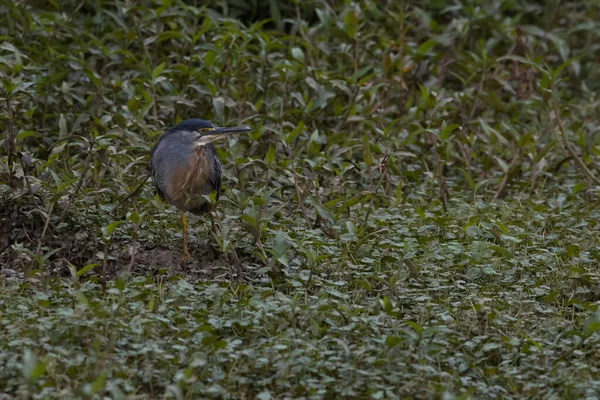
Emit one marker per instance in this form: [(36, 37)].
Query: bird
[(185, 167)]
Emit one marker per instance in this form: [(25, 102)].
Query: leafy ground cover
[(414, 216)]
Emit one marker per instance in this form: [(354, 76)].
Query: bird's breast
[(189, 182)]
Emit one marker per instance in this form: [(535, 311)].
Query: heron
[(185, 168)]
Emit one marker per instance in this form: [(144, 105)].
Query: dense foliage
[(415, 214)]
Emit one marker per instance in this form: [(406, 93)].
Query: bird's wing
[(158, 191), (153, 171), (216, 177), (217, 186)]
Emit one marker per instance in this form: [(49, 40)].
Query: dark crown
[(194, 124)]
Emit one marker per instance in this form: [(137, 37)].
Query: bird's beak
[(222, 132)]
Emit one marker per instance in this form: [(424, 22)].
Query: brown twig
[(382, 168), (349, 109), (355, 55), (10, 139), (507, 175), (582, 167), (27, 183), (478, 90), (86, 168), (147, 53), (135, 191), (305, 37), (300, 197), (443, 185), (48, 215)]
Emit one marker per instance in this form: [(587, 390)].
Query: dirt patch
[(207, 263), (21, 228)]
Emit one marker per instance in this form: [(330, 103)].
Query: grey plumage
[(185, 167), (183, 173)]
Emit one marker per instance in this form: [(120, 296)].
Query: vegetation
[(414, 216)]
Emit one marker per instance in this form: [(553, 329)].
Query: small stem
[(105, 261), (507, 175), (10, 139), (478, 90), (262, 250), (135, 191), (568, 146), (136, 235), (147, 53), (303, 34), (383, 168), (86, 168), (443, 186), (349, 109), (355, 55), (27, 183), (299, 193), (48, 214)]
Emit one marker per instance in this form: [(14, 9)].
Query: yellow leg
[(186, 253)]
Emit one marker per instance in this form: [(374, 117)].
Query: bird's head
[(205, 132)]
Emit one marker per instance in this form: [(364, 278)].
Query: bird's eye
[(203, 130)]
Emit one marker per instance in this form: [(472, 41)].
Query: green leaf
[(358, 74), (98, 383), (219, 105), (424, 93), (26, 134), (325, 214), (350, 24), (62, 125), (416, 327), (467, 177), (209, 58), (108, 230), (491, 346), (295, 132), (557, 72), (270, 156), (134, 217), (573, 250), (502, 251), (249, 219), (85, 269), (578, 187), (298, 54), (322, 100), (120, 283), (550, 297), (523, 60), (386, 304), (32, 368), (591, 325), (133, 105), (445, 134), (166, 35), (157, 71), (264, 395), (47, 255), (542, 153), (393, 341), (424, 47), (279, 245), (367, 157), (18, 65), (435, 330)]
